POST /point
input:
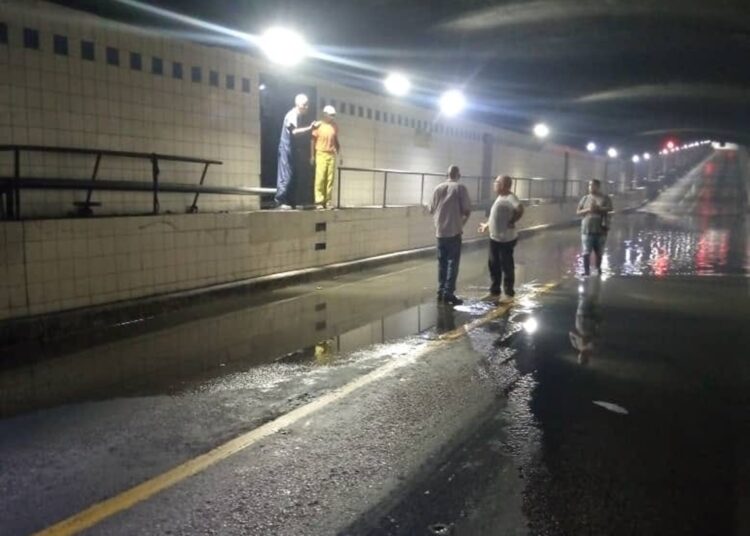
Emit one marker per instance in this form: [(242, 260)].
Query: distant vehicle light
[(612, 152), (636, 159), (591, 147)]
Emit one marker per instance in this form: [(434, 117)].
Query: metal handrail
[(12, 186), (480, 180)]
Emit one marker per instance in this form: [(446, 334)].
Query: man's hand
[(314, 125), (483, 227)]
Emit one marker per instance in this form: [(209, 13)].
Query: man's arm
[(312, 150), (517, 214), (434, 202), (581, 210), (465, 204)]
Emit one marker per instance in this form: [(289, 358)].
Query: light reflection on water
[(689, 246)]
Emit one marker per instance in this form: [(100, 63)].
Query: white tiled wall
[(65, 100)]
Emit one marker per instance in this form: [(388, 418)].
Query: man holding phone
[(595, 208)]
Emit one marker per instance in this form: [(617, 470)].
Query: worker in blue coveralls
[(286, 173)]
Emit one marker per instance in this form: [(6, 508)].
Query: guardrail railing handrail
[(11, 186), (564, 182)]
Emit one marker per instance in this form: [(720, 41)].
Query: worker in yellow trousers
[(324, 149)]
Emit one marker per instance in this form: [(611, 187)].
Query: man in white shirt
[(505, 212), (595, 209)]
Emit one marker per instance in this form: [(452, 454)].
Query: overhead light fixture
[(284, 46), (452, 102), (647, 156), (397, 84), (636, 159), (612, 152), (591, 147), (541, 130)]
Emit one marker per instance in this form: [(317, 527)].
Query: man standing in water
[(595, 208), (505, 212), (285, 179), (451, 208)]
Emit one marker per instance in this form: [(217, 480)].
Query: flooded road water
[(611, 405)]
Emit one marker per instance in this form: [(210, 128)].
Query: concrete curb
[(54, 325)]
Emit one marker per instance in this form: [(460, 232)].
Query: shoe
[(320, 207), (510, 293), (284, 207), (494, 292), (440, 297), (453, 300)]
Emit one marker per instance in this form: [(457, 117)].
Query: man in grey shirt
[(451, 208), (595, 208)]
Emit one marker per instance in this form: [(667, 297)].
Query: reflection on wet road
[(611, 405)]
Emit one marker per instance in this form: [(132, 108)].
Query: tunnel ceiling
[(626, 72)]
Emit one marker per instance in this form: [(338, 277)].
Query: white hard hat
[(329, 110)]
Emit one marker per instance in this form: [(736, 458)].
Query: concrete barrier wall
[(54, 265)]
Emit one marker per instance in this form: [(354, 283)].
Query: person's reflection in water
[(583, 336), (325, 352), (446, 320)]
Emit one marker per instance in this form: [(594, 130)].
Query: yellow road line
[(100, 511)]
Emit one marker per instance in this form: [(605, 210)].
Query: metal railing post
[(385, 188), (338, 190), (421, 191), (194, 206), (479, 189), (155, 177), (531, 182), (565, 176), (10, 199), (87, 205), (17, 184)]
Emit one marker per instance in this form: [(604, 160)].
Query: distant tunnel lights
[(541, 130), (612, 152), (591, 147), (452, 102), (636, 159), (284, 46), (397, 84), (646, 156)]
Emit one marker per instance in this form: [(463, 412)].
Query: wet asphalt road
[(500, 431)]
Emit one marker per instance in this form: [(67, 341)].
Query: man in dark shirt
[(451, 208), (290, 129)]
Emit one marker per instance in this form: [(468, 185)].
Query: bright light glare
[(283, 46), (452, 102), (591, 146), (647, 156), (636, 158), (541, 130), (397, 84), (670, 144), (531, 325), (612, 152)]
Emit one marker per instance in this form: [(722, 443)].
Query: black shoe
[(440, 297), (510, 293), (453, 300), (495, 292)]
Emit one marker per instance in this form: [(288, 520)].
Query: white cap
[(329, 110)]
